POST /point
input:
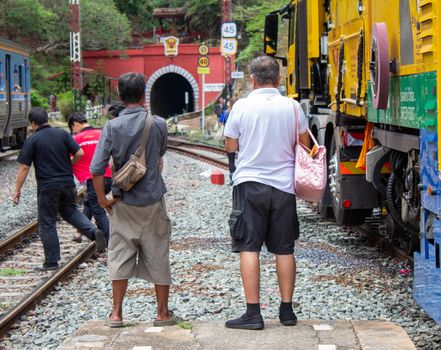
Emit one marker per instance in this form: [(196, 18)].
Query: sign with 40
[(228, 47)]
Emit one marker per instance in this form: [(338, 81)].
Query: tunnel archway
[(165, 91), (167, 96)]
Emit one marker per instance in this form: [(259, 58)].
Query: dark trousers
[(63, 201), (231, 162), (93, 208)]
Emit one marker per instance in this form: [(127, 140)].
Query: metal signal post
[(75, 53), (226, 17)]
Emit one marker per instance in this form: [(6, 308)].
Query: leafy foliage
[(253, 17), (65, 104), (103, 26), (44, 25), (25, 18), (205, 17), (37, 100)]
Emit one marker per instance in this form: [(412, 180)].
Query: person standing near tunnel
[(140, 228), (231, 155), (264, 202)]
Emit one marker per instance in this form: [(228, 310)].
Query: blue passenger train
[(15, 101)]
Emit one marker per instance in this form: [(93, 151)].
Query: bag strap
[(296, 116), (297, 127), (140, 151)]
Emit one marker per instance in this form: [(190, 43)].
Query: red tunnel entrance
[(168, 95)]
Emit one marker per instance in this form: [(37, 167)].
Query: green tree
[(103, 26), (25, 18), (44, 25), (252, 18), (205, 17), (139, 12)]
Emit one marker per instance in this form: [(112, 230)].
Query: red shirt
[(87, 139)]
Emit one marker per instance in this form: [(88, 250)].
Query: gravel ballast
[(339, 275), (13, 217)]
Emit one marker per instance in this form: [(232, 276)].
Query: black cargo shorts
[(263, 214)]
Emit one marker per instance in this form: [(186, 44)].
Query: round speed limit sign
[(203, 61), (203, 50)]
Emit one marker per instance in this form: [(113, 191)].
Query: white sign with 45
[(228, 47), (229, 30)]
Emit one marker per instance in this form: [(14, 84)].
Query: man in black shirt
[(50, 150)]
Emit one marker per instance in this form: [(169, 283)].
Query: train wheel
[(410, 243), (344, 217)]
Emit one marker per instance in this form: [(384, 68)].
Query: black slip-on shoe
[(100, 241), (47, 267), (288, 319), (246, 322)]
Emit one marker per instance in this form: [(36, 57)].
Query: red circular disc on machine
[(379, 65)]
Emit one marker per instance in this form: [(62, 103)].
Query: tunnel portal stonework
[(167, 70), (152, 62)]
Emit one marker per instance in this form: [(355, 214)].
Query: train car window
[(15, 79), (1, 77), (26, 77), (20, 77)]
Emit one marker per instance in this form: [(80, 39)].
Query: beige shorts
[(139, 243)]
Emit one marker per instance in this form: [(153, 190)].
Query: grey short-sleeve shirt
[(119, 140)]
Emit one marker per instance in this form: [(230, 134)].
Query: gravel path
[(13, 217), (339, 276)]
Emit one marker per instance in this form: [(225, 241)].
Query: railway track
[(9, 154), (199, 151), (370, 229), (21, 287)]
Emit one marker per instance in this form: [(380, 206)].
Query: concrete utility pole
[(75, 53)]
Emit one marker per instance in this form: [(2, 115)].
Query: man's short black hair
[(76, 117), (131, 87), (116, 108), (38, 115), (265, 70)]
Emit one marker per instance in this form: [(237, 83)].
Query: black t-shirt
[(50, 150)]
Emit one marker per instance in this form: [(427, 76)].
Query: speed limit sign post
[(228, 47), (229, 30), (203, 68), (203, 50), (203, 61)]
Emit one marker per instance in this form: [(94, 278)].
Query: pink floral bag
[(310, 173)]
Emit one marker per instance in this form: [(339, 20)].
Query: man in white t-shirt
[(263, 128)]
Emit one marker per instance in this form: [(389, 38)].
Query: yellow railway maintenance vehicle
[(366, 74)]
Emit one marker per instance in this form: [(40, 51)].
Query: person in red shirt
[(87, 137)]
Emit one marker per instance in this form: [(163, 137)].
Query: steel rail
[(18, 238), (12, 242), (383, 244), (182, 142), (42, 290), (198, 156), (8, 154), (32, 299)]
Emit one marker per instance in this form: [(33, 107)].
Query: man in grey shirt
[(140, 228)]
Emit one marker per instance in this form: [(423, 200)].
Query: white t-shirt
[(264, 122)]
